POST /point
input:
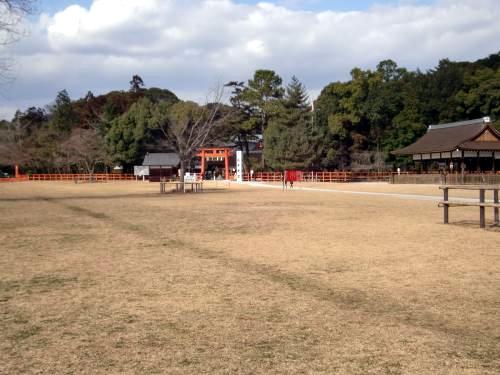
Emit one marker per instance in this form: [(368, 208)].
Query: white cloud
[(187, 45)]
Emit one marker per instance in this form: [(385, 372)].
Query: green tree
[(261, 94), (136, 84), (63, 116), (438, 89), (406, 127), (29, 121), (127, 133), (243, 124), (157, 95), (339, 108), (480, 94), (290, 140)]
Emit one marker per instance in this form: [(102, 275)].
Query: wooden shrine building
[(472, 146), (161, 165)]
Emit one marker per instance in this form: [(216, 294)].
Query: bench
[(195, 187), (482, 204)]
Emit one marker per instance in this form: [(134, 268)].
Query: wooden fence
[(443, 179), (100, 177), (14, 179), (337, 176), (342, 176)]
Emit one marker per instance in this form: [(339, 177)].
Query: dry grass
[(114, 278)]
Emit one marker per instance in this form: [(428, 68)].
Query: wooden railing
[(101, 177), (448, 178), (341, 176), (14, 179)]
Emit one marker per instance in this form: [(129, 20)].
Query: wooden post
[(202, 164), (482, 222), (495, 200), (16, 169), (226, 163), (445, 207)]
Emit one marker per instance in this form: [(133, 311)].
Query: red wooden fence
[(81, 177), (14, 179), (258, 176), (321, 176), (101, 177)]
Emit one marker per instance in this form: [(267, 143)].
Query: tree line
[(351, 125)]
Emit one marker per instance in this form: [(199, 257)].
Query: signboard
[(239, 166), (189, 177), (140, 170)]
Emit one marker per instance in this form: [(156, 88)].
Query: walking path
[(415, 197)]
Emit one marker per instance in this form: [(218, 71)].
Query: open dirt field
[(114, 278)]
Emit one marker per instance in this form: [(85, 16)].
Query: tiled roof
[(170, 159), (452, 136)]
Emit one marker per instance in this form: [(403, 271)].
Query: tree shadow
[(114, 196), (490, 225)]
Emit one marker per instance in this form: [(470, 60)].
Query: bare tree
[(188, 126), (13, 144), (85, 148), (12, 14)]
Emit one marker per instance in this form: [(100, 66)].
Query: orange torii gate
[(217, 154)]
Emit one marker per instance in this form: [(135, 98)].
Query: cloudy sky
[(188, 46)]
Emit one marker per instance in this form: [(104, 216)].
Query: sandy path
[(362, 190)]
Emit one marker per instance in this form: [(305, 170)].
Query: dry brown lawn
[(114, 278)]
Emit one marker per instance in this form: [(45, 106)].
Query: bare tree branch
[(12, 15)]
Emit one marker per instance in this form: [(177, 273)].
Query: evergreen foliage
[(354, 124), (63, 114), (290, 140)]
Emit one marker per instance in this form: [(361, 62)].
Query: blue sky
[(338, 5), (188, 46), (52, 6)]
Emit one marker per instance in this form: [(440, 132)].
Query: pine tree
[(291, 141), (136, 84), (63, 114), (296, 95), (263, 93)]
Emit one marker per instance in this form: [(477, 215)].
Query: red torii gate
[(217, 153)]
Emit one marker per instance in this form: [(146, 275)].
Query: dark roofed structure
[(161, 159), (472, 139), (162, 165), (476, 135)]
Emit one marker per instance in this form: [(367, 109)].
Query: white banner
[(239, 166)]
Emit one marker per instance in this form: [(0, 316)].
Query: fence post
[(445, 207), (481, 209), (495, 200)]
